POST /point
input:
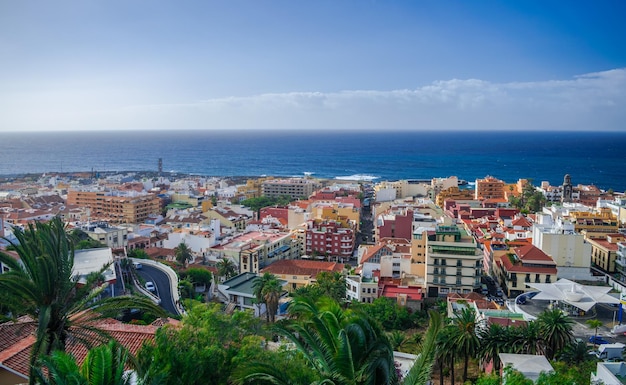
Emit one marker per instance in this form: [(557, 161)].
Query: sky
[(324, 64)]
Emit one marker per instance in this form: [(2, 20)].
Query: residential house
[(301, 272), (525, 264)]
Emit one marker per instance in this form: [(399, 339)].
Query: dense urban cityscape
[(493, 254)]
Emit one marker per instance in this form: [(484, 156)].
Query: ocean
[(597, 158)]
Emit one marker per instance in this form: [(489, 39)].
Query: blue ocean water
[(589, 157)]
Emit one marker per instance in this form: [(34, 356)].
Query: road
[(163, 286)]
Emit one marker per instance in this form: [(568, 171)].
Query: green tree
[(576, 353), (390, 314), (527, 339), (594, 324), (226, 268), (103, 365), (258, 288), (332, 284), (494, 339), (272, 291), (198, 276), (421, 370), (446, 353), (342, 346), (183, 254), (138, 253), (203, 350), (82, 240), (465, 337), (44, 287), (556, 330)]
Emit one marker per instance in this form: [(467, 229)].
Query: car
[(137, 265), (499, 292), (521, 300), (597, 340), (150, 286)]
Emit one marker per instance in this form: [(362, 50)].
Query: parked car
[(150, 286), (598, 340), (137, 265), (521, 300), (499, 292)]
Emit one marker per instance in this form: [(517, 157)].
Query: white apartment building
[(570, 251), (361, 289), (453, 262), (294, 187)]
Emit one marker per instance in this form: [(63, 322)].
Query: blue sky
[(119, 64)]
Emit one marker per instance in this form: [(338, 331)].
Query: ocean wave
[(358, 177)]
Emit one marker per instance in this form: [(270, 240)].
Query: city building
[(116, 207), (569, 249), (604, 250), (361, 289), (525, 264), (453, 193), (453, 263), (301, 272), (293, 187), (600, 221), (489, 188), (330, 239), (111, 236)]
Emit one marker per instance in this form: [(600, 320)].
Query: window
[(436, 262), (459, 263), (537, 278), (458, 280), (436, 271)]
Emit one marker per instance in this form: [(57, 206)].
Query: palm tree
[(556, 330), (103, 365), (494, 339), (576, 353), (421, 370), (258, 290), (465, 336), (226, 268), (343, 346), (183, 254), (42, 285), (527, 339), (595, 324), (272, 291), (446, 352)]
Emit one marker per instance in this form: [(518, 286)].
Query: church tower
[(567, 189)]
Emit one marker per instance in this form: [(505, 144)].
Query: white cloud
[(589, 101)]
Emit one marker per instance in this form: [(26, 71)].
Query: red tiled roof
[(412, 292), (521, 221), (519, 268), (530, 252), (302, 267), (17, 340)]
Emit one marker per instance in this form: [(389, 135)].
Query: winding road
[(163, 286)]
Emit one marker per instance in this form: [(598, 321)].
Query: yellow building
[(347, 214), (602, 221), (252, 189), (604, 250), (301, 272), (453, 193)]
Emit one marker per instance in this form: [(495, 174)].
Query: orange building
[(120, 208), (489, 188)]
